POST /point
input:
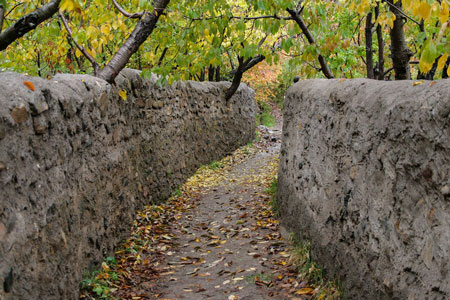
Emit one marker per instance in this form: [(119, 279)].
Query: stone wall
[(77, 161), (365, 176)]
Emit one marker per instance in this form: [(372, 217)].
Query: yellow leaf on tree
[(441, 62), (70, 5), (363, 7), (123, 95), (105, 30), (425, 10), (424, 66), (443, 15)]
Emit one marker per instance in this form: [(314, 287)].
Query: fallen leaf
[(123, 95), (29, 85), (305, 291)]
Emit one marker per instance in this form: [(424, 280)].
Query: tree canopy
[(221, 39)]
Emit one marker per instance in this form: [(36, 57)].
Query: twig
[(242, 18), (81, 48), (127, 14), (401, 12), (13, 8), (388, 71)]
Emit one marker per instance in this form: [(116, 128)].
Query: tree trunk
[(137, 37), (2, 16), (444, 71), (236, 79), (218, 74), (399, 50), (380, 45), (299, 20), (369, 47), (202, 75), (27, 23), (211, 73)]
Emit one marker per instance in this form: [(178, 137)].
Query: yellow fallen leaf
[(322, 296), (305, 291), (418, 82), (123, 95)]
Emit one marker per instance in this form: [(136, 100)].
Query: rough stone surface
[(363, 170), (78, 161)]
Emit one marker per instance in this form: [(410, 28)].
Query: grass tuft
[(214, 165), (265, 118), (272, 191), (308, 270)]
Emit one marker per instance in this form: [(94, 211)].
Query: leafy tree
[(222, 39)]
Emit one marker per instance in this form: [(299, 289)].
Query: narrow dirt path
[(229, 246), (216, 238)]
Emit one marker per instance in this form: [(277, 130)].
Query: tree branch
[(125, 13), (231, 60), (27, 23), (81, 48), (299, 20), (162, 55), (241, 18), (138, 36), (250, 63)]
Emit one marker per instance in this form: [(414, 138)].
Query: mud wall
[(365, 176), (77, 161)]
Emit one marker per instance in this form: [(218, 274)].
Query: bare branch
[(27, 23), (81, 48), (127, 14)]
